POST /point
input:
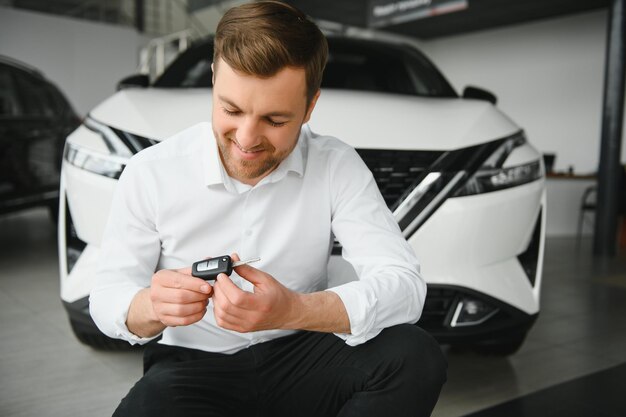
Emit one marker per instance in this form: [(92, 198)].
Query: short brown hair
[(264, 37)]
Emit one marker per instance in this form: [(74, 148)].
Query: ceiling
[(478, 15)]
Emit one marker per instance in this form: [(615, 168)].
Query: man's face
[(257, 121)]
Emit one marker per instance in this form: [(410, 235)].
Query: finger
[(235, 295), (174, 321), (175, 279), (228, 313), (255, 276), (184, 271), (249, 273), (181, 310), (225, 312), (188, 271), (233, 324), (178, 296)]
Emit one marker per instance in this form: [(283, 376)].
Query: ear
[(213, 73), (311, 107)]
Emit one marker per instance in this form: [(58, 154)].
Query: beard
[(242, 169)]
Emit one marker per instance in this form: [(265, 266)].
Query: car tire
[(500, 347), (98, 340)]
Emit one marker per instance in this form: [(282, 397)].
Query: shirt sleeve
[(390, 289), (129, 254)]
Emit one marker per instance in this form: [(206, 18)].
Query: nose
[(248, 134)]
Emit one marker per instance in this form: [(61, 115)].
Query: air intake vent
[(436, 308), (529, 259)]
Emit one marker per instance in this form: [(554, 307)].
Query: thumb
[(250, 273)]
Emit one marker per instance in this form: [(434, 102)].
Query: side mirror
[(134, 81), (479, 94)]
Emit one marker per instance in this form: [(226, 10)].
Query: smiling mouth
[(247, 151)]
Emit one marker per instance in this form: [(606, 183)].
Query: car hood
[(362, 119)]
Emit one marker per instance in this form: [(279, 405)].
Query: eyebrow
[(286, 114)]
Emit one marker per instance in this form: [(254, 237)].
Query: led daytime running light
[(492, 176), (110, 166)]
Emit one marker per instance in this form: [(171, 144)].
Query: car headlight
[(95, 162), (493, 176), (113, 142), (483, 168), (121, 146)]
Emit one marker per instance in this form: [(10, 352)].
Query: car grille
[(396, 171)]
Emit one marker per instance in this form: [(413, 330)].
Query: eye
[(230, 112), (275, 124)]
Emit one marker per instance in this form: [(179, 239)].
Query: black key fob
[(209, 269)]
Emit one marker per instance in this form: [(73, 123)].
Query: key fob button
[(203, 266)]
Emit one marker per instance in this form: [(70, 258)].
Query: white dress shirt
[(175, 204)]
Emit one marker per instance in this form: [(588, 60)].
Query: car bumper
[(484, 250)]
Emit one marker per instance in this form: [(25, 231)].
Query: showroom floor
[(45, 371)]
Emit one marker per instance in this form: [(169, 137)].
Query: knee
[(417, 355), (149, 396), (410, 367)]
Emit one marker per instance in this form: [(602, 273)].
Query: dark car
[(35, 119)]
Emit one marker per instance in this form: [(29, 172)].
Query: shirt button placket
[(247, 246), (247, 237)]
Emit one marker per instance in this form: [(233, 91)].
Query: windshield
[(353, 64)]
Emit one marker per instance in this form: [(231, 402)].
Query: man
[(272, 339)]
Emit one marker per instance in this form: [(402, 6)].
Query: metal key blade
[(246, 262)]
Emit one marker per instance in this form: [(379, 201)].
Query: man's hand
[(274, 306), (175, 298), (271, 306), (178, 299)]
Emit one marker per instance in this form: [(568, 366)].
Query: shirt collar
[(293, 163), (215, 173), (213, 170)]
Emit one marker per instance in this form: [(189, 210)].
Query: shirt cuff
[(110, 316), (122, 332), (361, 309)]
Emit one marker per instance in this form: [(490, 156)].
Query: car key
[(209, 269)]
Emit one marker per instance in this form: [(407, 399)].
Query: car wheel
[(99, 340), (500, 347)]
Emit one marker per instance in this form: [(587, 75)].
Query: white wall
[(548, 76), (84, 59)]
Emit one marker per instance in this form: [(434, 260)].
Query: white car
[(466, 188)]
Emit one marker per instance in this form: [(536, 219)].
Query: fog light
[(471, 312)]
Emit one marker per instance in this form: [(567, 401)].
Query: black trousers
[(398, 373)]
